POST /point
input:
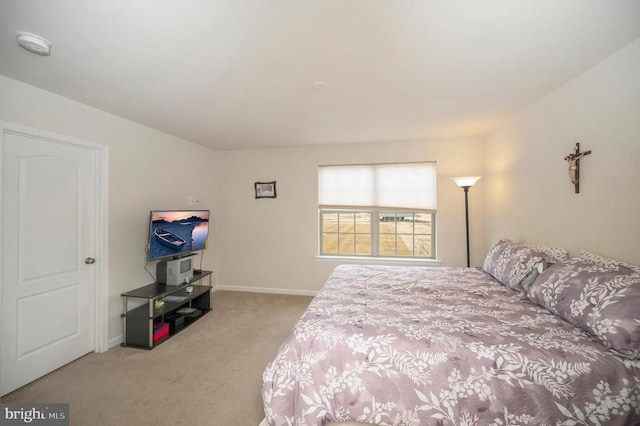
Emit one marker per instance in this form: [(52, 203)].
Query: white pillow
[(596, 259), (556, 253)]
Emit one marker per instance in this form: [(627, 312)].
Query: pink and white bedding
[(442, 346)]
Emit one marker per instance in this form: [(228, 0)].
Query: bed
[(513, 342)]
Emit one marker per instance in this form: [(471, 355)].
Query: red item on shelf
[(160, 330)]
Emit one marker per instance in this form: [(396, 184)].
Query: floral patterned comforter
[(442, 346)]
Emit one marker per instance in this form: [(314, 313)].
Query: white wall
[(527, 189), (272, 243), (148, 170)]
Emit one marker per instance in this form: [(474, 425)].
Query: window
[(346, 232), (405, 234), (379, 210)]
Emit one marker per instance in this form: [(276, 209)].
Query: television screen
[(176, 233)]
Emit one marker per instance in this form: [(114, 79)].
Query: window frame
[(374, 232)]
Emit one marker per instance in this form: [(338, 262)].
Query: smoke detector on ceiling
[(34, 43), (320, 86)]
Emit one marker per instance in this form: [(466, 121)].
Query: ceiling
[(233, 74)]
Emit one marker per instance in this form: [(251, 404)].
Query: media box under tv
[(175, 271), (176, 322)]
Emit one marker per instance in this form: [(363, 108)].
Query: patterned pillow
[(587, 256), (510, 262), (603, 300)]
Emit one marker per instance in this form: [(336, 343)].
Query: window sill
[(381, 260)]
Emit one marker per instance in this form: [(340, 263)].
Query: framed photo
[(266, 189)]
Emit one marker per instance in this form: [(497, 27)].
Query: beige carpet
[(209, 374)]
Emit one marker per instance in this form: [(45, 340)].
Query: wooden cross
[(574, 165)]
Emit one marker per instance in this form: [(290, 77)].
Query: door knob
[(89, 260)]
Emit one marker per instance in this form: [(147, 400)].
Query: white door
[(48, 231)]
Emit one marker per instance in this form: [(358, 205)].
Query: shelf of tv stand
[(138, 321)]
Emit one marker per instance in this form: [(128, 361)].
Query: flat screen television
[(177, 233)]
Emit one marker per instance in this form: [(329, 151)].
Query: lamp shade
[(467, 181)]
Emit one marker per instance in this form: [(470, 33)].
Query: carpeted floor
[(209, 374)]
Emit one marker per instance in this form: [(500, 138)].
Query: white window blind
[(402, 185)]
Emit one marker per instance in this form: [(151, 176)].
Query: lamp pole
[(466, 216), (465, 183)]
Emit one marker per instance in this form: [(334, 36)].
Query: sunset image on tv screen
[(177, 232)]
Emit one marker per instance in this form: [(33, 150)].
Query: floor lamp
[(466, 183)]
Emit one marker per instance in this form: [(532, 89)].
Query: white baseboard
[(115, 341), (290, 291)]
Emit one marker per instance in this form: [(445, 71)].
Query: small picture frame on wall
[(266, 189)]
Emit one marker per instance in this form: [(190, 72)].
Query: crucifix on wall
[(574, 165)]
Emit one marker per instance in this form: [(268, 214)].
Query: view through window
[(385, 225)]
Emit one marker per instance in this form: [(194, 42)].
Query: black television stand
[(158, 305)]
